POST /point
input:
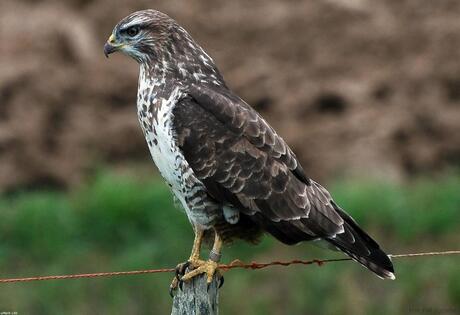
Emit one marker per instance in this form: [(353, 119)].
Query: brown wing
[(245, 164)]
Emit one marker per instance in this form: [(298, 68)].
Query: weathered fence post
[(195, 298)]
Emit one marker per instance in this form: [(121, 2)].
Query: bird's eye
[(133, 31)]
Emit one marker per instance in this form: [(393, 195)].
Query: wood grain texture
[(196, 299)]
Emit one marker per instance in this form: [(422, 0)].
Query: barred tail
[(362, 248)]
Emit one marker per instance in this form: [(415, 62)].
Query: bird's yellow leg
[(193, 261), (208, 267), (195, 254)]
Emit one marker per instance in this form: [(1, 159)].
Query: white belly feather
[(165, 153), (161, 139), (163, 148)]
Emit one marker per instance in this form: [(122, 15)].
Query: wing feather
[(244, 163)]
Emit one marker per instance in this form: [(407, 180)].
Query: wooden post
[(195, 299)]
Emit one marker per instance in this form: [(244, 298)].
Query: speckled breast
[(156, 120)]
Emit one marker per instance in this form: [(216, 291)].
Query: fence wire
[(233, 265)]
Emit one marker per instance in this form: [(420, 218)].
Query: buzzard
[(232, 173)]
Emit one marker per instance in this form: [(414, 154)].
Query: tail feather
[(362, 248)]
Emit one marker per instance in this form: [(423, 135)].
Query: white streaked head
[(141, 35)]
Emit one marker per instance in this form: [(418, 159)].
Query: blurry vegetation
[(117, 222)]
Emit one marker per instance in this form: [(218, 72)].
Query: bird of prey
[(233, 174)]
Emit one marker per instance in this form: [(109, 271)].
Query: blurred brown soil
[(355, 86)]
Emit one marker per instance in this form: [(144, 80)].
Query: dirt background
[(361, 87)]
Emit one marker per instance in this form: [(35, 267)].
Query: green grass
[(118, 222), (427, 207)]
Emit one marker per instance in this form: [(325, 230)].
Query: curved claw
[(208, 267), (195, 268), (173, 287), (181, 268), (177, 280), (221, 282)]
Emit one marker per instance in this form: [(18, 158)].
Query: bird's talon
[(179, 273), (181, 268), (221, 281), (208, 267), (173, 287)]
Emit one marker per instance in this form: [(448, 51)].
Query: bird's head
[(142, 35), (153, 38)]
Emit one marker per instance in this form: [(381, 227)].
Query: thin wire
[(234, 264), (445, 253), (88, 275)]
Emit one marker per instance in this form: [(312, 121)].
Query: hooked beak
[(111, 46)]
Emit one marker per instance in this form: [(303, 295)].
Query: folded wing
[(244, 163)]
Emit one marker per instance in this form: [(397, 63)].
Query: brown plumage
[(235, 174)]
